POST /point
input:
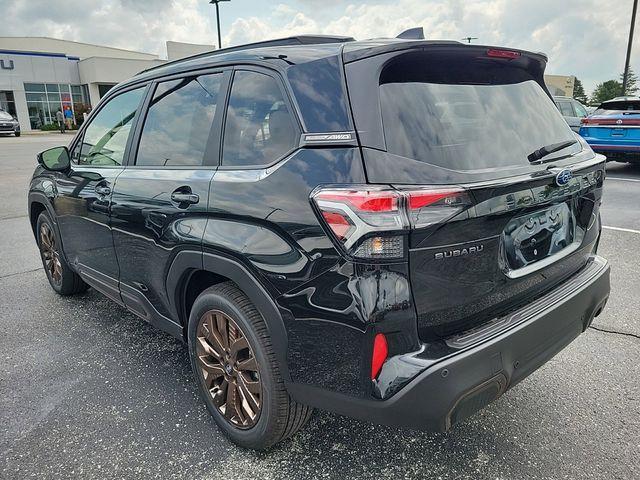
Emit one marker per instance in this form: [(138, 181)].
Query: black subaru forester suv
[(394, 230)]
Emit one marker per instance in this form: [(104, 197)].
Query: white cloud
[(586, 38)]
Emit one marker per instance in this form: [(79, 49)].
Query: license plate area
[(618, 132), (538, 239)]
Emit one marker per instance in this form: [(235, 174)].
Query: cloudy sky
[(586, 38)]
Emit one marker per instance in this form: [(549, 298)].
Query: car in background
[(572, 111), (614, 129), (9, 124)]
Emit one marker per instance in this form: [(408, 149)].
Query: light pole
[(216, 2), (625, 75)]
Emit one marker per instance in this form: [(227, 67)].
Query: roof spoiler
[(416, 33)]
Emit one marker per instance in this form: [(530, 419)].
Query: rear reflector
[(379, 355), (508, 54)]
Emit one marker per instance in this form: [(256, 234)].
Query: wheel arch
[(39, 203), (191, 269)]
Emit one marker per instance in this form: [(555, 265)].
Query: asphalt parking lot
[(88, 390)]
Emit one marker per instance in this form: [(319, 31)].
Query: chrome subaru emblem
[(563, 177), (619, 122)]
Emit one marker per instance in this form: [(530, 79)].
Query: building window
[(45, 99), (7, 102)]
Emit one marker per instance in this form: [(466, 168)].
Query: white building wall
[(34, 69), (77, 49), (178, 50)]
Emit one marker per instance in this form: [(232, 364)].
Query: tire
[(17, 134), (60, 275), (278, 416)]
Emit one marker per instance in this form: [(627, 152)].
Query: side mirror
[(56, 159)]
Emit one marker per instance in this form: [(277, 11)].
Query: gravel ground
[(87, 390)]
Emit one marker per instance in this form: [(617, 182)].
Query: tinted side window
[(259, 128), (565, 109), (105, 138), (179, 120), (580, 110)]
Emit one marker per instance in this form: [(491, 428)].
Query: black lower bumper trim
[(461, 384)]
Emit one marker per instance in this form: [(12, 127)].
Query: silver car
[(8, 124), (572, 111)]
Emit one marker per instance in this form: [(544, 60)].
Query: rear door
[(506, 222), (160, 199)]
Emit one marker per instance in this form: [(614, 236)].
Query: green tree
[(606, 91), (578, 92), (632, 81)]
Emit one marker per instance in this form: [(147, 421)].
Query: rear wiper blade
[(549, 149)]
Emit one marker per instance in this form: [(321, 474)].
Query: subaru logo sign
[(563, 177)]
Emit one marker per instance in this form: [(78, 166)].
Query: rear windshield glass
[(618, 106), (487, 123)]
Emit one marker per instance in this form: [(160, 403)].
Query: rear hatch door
[(520, 219)]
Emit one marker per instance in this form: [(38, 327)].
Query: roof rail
[(294, 40)]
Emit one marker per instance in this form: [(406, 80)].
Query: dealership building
[(40, 75)]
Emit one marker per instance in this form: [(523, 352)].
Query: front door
[(82, 203), (160, 199)]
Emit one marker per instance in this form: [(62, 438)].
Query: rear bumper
[(486, 365), (613, 146)]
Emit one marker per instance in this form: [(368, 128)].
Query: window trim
[(105, 101), (215, 136), (290, 106)]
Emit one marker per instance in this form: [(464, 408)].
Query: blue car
[(614, 129)]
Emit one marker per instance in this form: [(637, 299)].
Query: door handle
[(103, 190), (185, 196)]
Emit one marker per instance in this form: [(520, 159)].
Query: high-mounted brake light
[(371, 221), (508, 54), (379, 355)]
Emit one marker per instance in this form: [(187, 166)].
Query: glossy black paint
[(257, 228)]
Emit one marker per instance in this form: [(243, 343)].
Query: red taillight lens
[(366, 201), (508, 54), (379, 355), (338, 224), (430, 206), (419, 199)]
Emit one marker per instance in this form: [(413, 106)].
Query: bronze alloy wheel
[(229, 369), (50, 254)]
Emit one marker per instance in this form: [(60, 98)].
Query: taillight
[(372, 221)]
